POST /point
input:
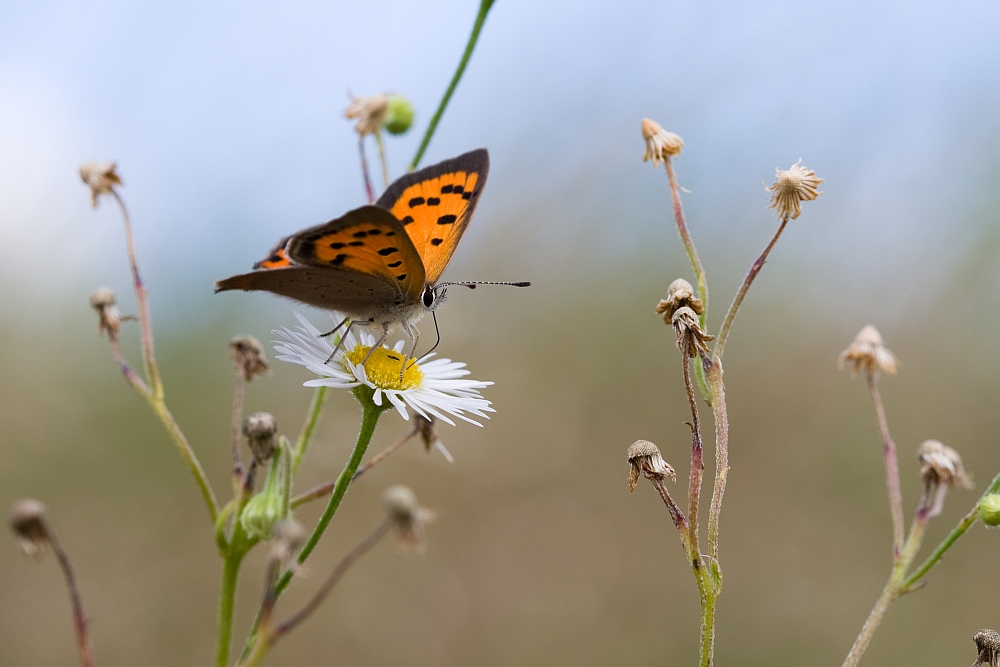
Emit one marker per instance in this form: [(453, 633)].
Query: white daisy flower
[(431, 388)]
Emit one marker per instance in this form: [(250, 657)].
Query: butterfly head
[(433, 296)]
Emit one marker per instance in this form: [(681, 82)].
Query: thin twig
[(236, 428), (718, 389), (364, 170), (79, 618), (382, 159), (697, 452), (727, 324), (891, 468), (692, 253)]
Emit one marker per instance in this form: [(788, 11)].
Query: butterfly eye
[(428, 296)]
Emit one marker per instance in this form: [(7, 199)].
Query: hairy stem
[(727, 324), (79, 618), (227, 600), (889, 595), (236, 432), (891, 468), (714, 373), (194, 465), (697, 458), (484, 8)]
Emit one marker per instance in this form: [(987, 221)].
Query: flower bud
[(263, 512), (100, 177), (660, 144), (989, 509), (109, 319), (408, 517), (260, 429), (399, 115), (27, 520), (680, 294), (248, 356), (867, 353)]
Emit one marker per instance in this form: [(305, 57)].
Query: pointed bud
[(266, 509), (260, 429)]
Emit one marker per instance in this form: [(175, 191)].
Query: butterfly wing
[(368, 241), (435, 204), (346, 291)]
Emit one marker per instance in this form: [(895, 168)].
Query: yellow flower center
[(383, 368)]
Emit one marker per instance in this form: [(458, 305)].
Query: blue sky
[(226, 121)]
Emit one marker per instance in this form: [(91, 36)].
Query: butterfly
[(379, 265)]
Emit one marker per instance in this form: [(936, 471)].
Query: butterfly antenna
[(471, 284), (437, 331)]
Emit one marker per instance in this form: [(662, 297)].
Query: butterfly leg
[(414, 335), (378, 343), (334, 330), (340, 342)]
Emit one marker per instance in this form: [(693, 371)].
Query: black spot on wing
[(447, 219), (338, 260), (388, 251), (445, 189), (459, 189), (416, 201), (394, 233), (307, 249), (401, 276), (336, 245), (467, 195), (437, 241), (433, 201), (360, 235), (356, 244), (398, 262), (374, 232), (405, 221)]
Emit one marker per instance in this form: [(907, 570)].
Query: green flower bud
[(399, 115), (269, 507), (989, 509)]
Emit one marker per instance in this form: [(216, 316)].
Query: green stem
[(227, 599), (160, 408), (369, 420), (966, 522), (484, 8), (889, 595), (727, 324), (707, 645), (309, 427), (721, 455)]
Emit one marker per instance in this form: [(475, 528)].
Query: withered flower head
[(791, 188), (988, 645), (100, 177), (644, 458), (942, 465), (260, 429), (109, 319), (691, 338), (425, 429), (370, 112), (27, 520), (248, 356), (660, 144), (407, 516), (868, 354), (679, 294), (287, 538)]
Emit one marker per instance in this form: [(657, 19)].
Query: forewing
[(276, 258), (368, 241), (436, 204), (347, 291)]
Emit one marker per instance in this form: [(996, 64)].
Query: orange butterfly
[(379, 265)]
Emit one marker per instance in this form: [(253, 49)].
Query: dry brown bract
[(691, 338), (407, 516), (679, 294), (248, 356), (660, 144), (27, 520), (109, 319), (791, 188), (370, 112), (988, 644), (942, 465), (100, 177), (260, 429), (868, 354), (425, 429), (644, 458)]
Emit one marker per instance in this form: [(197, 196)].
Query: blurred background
[(226, 121)]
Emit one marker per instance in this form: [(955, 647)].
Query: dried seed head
[(260, 429), (425, 429), (989, 509), (370, 112), (644, 458), (988, 645), (100, 177), (691, 338), (660, 144), (109, 318), (791, 188), (407, 516), (287, 538), (27, 520), (248, 356), (868, 354), (941, 464), (680, 294)]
